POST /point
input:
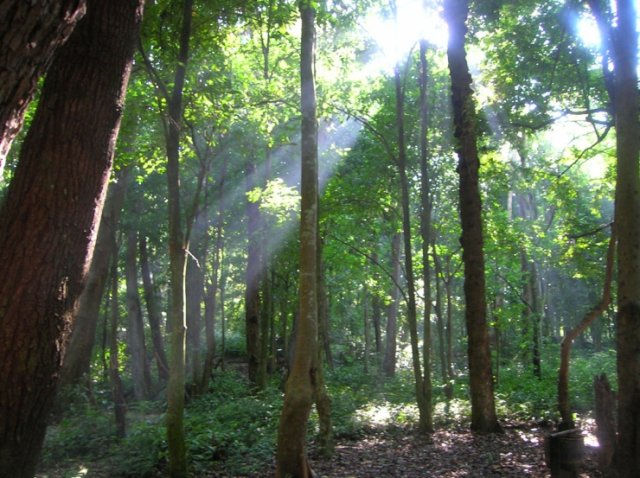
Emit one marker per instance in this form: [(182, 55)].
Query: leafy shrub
[(84, 432), (232, 429), (143, 450), (524, 396)]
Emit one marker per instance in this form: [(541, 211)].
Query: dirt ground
[(518, 452)]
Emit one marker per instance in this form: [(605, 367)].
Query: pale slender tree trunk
[(321, 394), (291, 456), (153, 312), (376, 317), (177, 260), (365, 323), (483, 412), (323, 316), (211, 304), (252, 290), (425, 233), (140, 371), (195, 296), (440, 326), (389, 364), (424, 408), (117, 390), (223, 320)]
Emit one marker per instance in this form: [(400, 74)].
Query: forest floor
[(447, 453), (394, 452)]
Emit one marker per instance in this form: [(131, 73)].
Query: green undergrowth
[(523, 396), (232, 432)]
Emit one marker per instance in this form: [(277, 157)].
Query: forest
[(319, 238)]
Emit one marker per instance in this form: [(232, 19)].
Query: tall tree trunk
[(252, 290), (153, 312), (627, 224), (195, 296), (177, 262), (321, 395), (376, 317), (30, 33), (49, 220), (77, 359), (389, 364), (291, 456), (323, 316), (424, 408), (425, 230), (444, 366), (448, 287), (117, 390), (366, 320), (265, 319), (140, 371), (211, 303), (483, 413), (223, 317)]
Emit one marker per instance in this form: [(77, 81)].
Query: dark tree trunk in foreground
[(627, 224), (291, 456), (483, 413), (30, 33), (50, 217), (77, 359)]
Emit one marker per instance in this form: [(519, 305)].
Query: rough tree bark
[(627, 224), (77, 358), (291, 456), (483, 413), (30, 33), (49, 219)]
